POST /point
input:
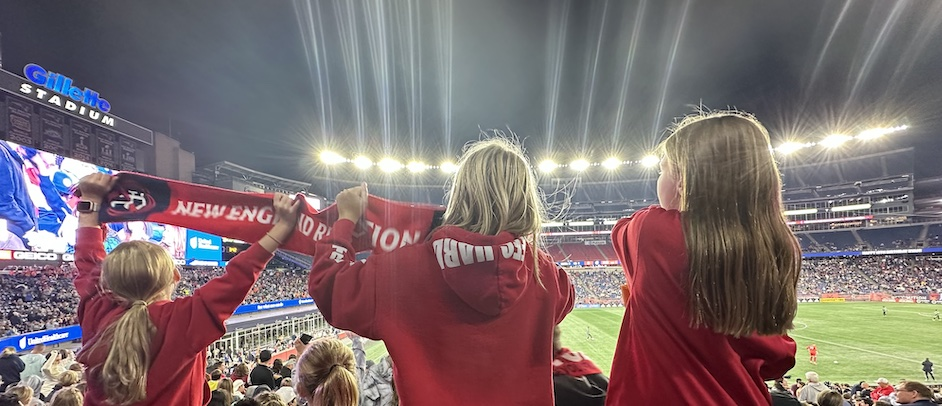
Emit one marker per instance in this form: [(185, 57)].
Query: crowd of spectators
[(42, 298), (892, 275)]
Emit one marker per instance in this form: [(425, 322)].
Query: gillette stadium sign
[(57, 89)]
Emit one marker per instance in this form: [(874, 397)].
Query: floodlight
[(416, 167), (389, 165), (789, 147), (362, 162), (611, 163), (879, 132), (650, 160), (449, 167), (835, 140), (331, 157), (547, 166), (579, 165)]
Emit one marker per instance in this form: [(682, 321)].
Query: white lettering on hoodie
[(452, 253)]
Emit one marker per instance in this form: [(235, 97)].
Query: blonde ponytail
[(137, 273), (124, 374), (326, 370)]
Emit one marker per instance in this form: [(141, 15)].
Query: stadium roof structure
[(212, 173)]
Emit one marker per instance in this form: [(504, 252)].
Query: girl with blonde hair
[(68, 397), (141, 347), (472, 304), (712, 272), (325, 374)]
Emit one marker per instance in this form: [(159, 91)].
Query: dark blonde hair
[(918, 387), (495, 190), (226, 388), (22, 392), (69, 378), (744, 260), (269, 399), (67, 397), (328, 364), (138, 273)]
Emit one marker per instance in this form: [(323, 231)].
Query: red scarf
[(248, 216), (567, 362)]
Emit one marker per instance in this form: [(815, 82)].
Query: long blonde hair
[(495, 190), (328, 365), (744, 260), (138, 273)]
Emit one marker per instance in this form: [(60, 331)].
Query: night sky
[(268, 84)]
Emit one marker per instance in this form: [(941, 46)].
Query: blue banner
[(26, 342), (202, 246)]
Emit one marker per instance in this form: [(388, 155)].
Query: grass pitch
[(865, 344)]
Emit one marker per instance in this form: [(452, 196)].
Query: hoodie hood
[(489, 273)]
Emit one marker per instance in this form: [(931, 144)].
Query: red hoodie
[(461, 314), (659, 358), (185, 326)]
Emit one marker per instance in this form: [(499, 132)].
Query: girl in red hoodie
[(141, 347), (468, 314), (711, 273)]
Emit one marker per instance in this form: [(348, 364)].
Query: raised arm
[(89, 251), (204, 314), (343, 288)]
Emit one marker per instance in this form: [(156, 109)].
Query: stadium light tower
[(362, 162), (547, 166), (611, 163), (579, 165), (448, 167), (389, 165), (879, 132), (331, 158), (416, 167), (650, 160)]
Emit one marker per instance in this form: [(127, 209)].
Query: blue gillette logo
[(63, 85)]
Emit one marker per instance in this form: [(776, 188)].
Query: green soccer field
[(865, 344)]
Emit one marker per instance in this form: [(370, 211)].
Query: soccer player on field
[(813, 353)]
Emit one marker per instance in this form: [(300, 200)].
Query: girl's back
[(711, 274), (658, 352)]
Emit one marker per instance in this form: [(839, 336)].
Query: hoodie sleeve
[(89, 252), (202, 317), (566, 295), (343, 288)]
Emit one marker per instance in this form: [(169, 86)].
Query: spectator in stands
[(214, 378), (223, 393), (325, 374), (9, 399), (809, 393), (25, 395), (125, 305), (883, 389), (287, 392), (68, 380), (262, 373), (241, 371), (53, 370), (270, 399), (425, 299), (716, 174), (829, 398), (914, 393), (238, 389), (68, 397), (34, 362), (11, 366), (375, 379), (276, 366), (577, 381), (781, 395), (35, 383)]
